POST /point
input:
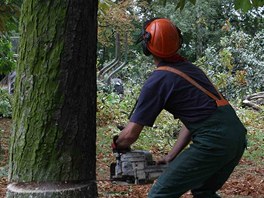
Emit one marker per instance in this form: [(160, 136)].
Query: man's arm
[(182, 141), (128, 135)]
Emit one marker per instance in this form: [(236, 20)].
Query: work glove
[(115, 149)]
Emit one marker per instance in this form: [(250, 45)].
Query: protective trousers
[(217, 145)]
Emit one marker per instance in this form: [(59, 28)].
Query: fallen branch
[(255, 101)]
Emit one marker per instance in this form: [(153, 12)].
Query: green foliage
[(137, 70), (104, 6), (107, 111), (181, 3), (5, 103), (200, 24), (246, 5), (162, 136), (122, 17), (203, 24), (114, 110), (116, 17), (237, 67), (7, 61)]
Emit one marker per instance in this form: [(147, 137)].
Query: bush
[(7, 61), (5, 103), (237, 67)]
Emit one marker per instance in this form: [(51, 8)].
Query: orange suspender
[(221, 102)]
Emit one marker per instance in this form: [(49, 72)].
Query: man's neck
[(156, 60)]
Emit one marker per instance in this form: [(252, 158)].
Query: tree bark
[(53, 141)]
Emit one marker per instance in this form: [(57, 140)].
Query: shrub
[(237, 67), (7, 61), (5, 103)]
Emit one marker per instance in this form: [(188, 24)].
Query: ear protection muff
[(145, 37)]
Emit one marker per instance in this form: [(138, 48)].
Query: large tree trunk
[(53, 141)]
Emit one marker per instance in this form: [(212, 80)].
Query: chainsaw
[(135, 167)]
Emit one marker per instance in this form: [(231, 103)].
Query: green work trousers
[(217, 145)]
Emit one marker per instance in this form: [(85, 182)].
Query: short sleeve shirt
[(169, 91)]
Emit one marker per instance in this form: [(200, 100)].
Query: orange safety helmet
[(161, 38)]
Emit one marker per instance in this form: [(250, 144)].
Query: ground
[(4, 136), (247, 181)]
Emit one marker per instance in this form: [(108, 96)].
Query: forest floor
[(247, 181)]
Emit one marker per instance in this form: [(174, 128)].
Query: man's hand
[(182, 141), (128, 135), (115, 146), (164, 160)]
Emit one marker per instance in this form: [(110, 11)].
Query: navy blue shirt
[(169, 91)]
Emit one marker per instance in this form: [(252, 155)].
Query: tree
[(117, 18), (52, 146)]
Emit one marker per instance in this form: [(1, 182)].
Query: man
[(209, 122)]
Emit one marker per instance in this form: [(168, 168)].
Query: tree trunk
[(53, 141)]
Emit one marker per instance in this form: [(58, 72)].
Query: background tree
[(9, 16), (52, 150), (119, 17)]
